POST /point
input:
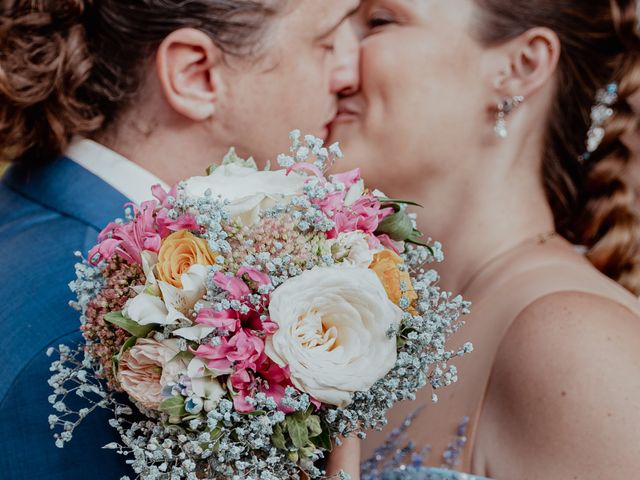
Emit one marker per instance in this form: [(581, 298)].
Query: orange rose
[(178, 252), (385, 265)]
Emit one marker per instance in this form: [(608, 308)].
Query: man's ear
[(529, 62), (188, 64)]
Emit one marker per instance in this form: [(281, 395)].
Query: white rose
[(333, 332), (352, 249), (249, 191)]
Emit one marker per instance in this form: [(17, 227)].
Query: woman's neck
[(480, 221)]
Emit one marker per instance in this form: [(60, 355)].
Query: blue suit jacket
[(46, 214)]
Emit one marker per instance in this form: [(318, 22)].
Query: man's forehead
[(336, 11)]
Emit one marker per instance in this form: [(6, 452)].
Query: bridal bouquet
[(254, 317)]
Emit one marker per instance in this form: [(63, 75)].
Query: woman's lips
[(345, 115)]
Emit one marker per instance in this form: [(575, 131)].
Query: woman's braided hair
[(593, 203)]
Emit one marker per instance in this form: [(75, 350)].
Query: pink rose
[(147, 367)]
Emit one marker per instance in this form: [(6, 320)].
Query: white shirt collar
[(130, 179)]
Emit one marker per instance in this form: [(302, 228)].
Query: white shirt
[(130, 179)]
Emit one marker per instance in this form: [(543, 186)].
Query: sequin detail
[(397, 457), (452, 454)]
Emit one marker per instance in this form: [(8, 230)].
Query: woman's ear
[(531, 60), (188, 64)]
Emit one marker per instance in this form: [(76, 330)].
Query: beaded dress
[(399, 458)]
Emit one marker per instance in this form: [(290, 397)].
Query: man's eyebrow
[(333, 27)]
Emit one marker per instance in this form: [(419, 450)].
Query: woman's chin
[(343, 132)]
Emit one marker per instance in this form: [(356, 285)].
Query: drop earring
[(505, 107)]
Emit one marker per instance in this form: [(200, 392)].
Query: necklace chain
[(539, 239)]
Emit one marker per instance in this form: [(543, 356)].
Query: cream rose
[(149, 366), (333, 332), (352, 249), (249, 191)]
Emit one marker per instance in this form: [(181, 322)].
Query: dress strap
[(523, 290)]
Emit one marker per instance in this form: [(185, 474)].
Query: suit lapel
[(64, 186)]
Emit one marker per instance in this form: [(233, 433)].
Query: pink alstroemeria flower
[(364, 215), (309, 167), (236, 288), (228, 320), (129, 240), (349, 178), (389, 243), (254, 275), (242, 352), (243, 384), (166, 225)]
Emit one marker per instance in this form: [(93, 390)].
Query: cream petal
[(146, 310), (195, 333)]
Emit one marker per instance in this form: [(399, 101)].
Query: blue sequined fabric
[(399, 459)]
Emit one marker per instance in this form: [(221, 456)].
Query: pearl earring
[(506, 106)]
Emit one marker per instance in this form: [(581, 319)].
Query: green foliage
[(174, 406), (302, 433), (232, 158), (399, 226), (134, 328)]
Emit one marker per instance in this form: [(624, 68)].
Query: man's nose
[(346, 73)]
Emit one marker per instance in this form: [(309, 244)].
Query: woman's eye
[(379, 21)]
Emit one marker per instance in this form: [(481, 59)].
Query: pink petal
[(258, 277), (347, 178), (305, 166), (225, 320), (159, 193), (389, 243), (236, 287), (240, 404)]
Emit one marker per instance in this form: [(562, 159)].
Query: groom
[(192, 107)]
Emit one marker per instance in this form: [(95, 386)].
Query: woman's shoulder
[(568, 374), (571, 324)]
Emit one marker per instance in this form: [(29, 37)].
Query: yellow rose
[(385, 265), (178, 252)]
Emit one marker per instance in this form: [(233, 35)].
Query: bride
[(482, 110)]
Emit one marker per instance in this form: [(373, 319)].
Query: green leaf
[(402, 202), (277, 439), (174, 406), (323, 440), (127, 345), (398, 226), (152, 290), (255, 413), (131, 341), (297, 427), (308, 451), (183, 355), (313, 425), (134, 328), (232, 158)]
